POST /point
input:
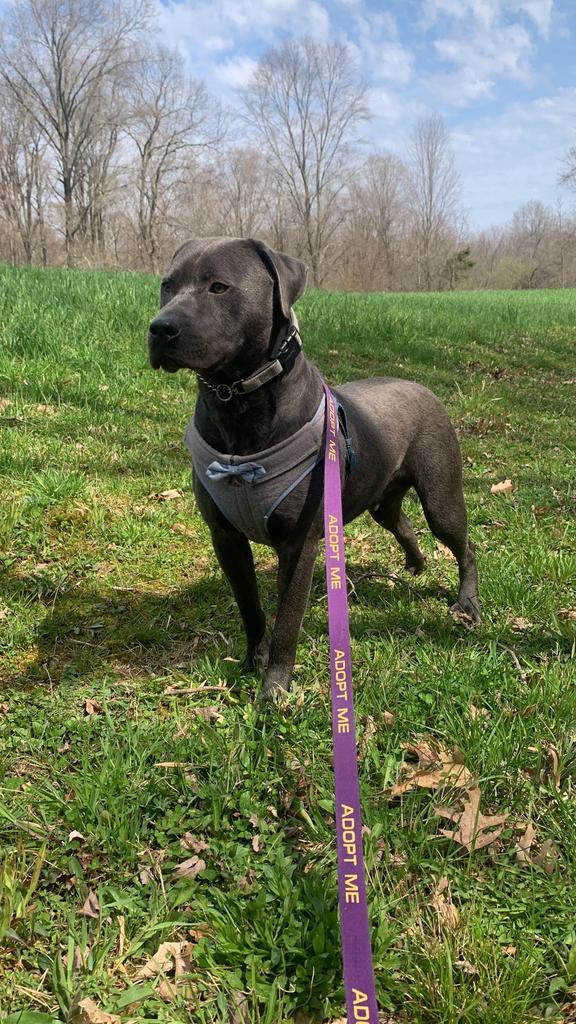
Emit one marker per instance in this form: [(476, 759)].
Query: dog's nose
[(164, 328)]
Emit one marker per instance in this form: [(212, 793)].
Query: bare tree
[(58, 56), (434, 191), (170, 119), (531, 235), (22, 177), (375, 222), (304, 104), (568, 176), (243, 186)]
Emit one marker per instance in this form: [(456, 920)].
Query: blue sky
[(501, 72)]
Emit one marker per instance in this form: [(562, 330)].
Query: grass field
[(130, 744)]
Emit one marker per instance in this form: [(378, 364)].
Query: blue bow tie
[(248, 471)]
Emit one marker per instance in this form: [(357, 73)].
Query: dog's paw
[(466, 612), (415, 567), (274, 689), (256, 661)]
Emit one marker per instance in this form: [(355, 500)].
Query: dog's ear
[(288, 273)]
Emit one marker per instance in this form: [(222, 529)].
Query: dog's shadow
[(88, 631)]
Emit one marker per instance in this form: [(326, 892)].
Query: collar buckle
[(224, 392)]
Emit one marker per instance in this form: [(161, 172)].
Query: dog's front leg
[(237, 563), (295, 568)]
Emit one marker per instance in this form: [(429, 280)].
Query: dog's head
[(224, 304)]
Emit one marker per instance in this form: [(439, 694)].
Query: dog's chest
[(248, 489)]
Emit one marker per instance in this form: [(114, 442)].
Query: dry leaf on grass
[(4, 612), (567, 613), (554, 757), (92, 707), (524, 844), (435, 767), (4, 708), (170, 957), (520, 624), (442, 903), (504, 487), (91, 906), (189, 868), (192, 842), (76, 835), (464, 965), (168, 495), (389, 718), (87, 1012), (208, 713), (476, 712), (256, 844), (442, 551), (145, 874), (186, 531), (238, 1012), (5, 403), (475, 830), (546, 857)]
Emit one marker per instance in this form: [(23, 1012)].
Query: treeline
[(111, 155)]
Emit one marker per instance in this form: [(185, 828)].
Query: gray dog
[(257, 437)]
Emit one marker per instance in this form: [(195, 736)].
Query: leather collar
[(283, 363)]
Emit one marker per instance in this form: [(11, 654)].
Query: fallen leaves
[(189, 868), (442, 903), (88, 1012), (170, 495), (91, 906), (170, 958), (567, 613), (4, 612), (192, 842), (524, 844), (92, 707), (520, 624), (475, 830), (435, 767), (545, 857), (503, 487), (186, 531)]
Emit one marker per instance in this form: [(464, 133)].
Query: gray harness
[(249, 488)]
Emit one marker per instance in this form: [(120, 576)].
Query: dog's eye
[(217, 287)]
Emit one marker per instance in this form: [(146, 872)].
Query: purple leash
[(354, 928)]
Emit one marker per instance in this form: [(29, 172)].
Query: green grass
[(110, 594)]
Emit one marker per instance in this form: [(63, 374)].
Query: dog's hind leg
[(390, 515), (443, 503)]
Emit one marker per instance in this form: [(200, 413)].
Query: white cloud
[(480, 61), (235, 72), (540, 11), (225, 24), (488, 13), (379, 54), (516, 156)]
